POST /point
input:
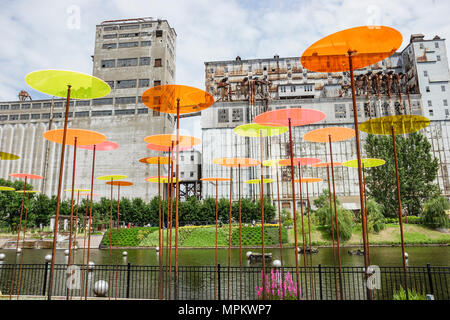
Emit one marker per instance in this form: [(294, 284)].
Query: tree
[(417, 171), (345, 217), (375, 218), (435, 215)]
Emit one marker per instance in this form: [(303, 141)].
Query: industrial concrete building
[(413, 81), (131, 55)]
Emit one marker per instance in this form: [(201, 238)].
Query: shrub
[(434, 214), (375, 216), (252, 236), (278, 288), (412, 294)]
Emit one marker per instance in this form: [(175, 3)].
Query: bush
[(412, 294), (375, 216), (252, 236), (434, 214)]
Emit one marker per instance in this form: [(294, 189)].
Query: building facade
[(246, 88), (131, 55)]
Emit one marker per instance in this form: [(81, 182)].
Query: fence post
[(320, 281), (128, 279), (218, 281), (430, 279), (45, 279)]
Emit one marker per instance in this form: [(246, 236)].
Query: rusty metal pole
[(159, 227), (217, 214), (23, 247), (303, 228), (18, 237), (84, 247), (400, 216), (161, 249), (310, 246), (58, 199), (171, 224), (110, 236), (117, 239), (71, 207), (229, 233), (240, 230), (76, 230), (262, 214), (169, 206), (177, 199), (294, 207), (358, 155), (332, 231), (279, 216), (365, 215), (90, 220), (336, 223)]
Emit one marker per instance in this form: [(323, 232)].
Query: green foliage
[(417, 172), (375, 218), (253, 236), (128, 237), (412, 294), (286, 218), (435, 215), (322, 215)]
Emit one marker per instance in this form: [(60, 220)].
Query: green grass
[(128, 237), (253, 236)]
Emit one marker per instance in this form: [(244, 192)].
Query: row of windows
[(130, 44), (445, 102), (78, 114), (237, 115), (427, 88), (129, 62), (131, 27), (306, 87), (126, 35), (39, 105)]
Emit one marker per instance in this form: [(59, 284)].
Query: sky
[(60, 34)]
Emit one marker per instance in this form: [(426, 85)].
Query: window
[(109, 46), (146, 25), (436, 44), (182, 174), (427, 88), (156, 83), (15, 106), (442, 88), (339, 111), (421, 46), (425, 73), (445, 103), (58, 104), (86, 102), (438, 58), (110, 84), (159, 33), (143, 83), (144, 61), (146, 43), (3, 117), (108, 63), (57, 115), (429, 103), (24, 116), (46, 116), (282, 89), (225, 69), (110, 36), (430, 112), (47, 104), (128, 62), (292, 88), (26, 106), (142, 110), (4, 107), (14, 117), (35, 116), (110, 28), (223, 115), (191, 174), (128, 44), (156, 113), (158, 63), (182, 158), (123, 84), (237, 115), (125, 100), (99, 113), (81, 114), (128, 35), (36, 105), (144, 34), (447, 113), (309, 87), (124, 111), (129, 26), (249, 68), (102, 101)]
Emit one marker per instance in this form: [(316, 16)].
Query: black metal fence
[(223, 283)]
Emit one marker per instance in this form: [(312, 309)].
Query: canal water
[(382, 256)]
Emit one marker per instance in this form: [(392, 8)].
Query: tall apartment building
[(246, 88), (131, 55)]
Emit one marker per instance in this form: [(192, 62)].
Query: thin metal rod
[(76, 230), (217, 214), (90, 220), (159, 230), (171, 224), (23, 247), (84, 247), (294, 207), (117, 240), (229, 233), (240, 228), (110, 236), (332, 231), (279, 216), (58, 199), (308, 206), (336, 223), (262, 214), (178, 196), (305, 262), (400, 215), (71, 207), (18, 237)]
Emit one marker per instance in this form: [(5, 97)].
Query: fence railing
[(218, 282)]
